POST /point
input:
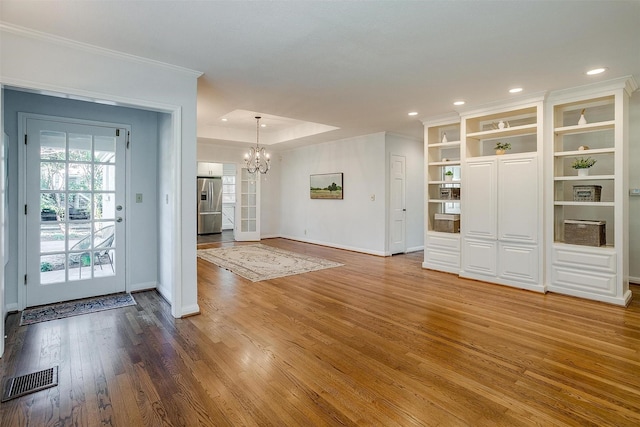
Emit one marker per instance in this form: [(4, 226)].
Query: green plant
[(46, 266), (502, 145), (449, 173), (583, 163)]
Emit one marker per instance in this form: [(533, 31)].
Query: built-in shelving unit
[(528, 218), (589, 122), (442, 153)]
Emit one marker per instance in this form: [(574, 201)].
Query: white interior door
[(75, 194), (247, 226), (398, 225)]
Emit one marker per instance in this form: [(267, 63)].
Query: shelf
[(559, 244), (584, 153), (450, 144), (584, 178), (444, 200), (589, 127), (503, 133), (571, 203), (445, 182), (449, 163)]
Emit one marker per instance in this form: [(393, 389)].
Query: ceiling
[(356, 67)]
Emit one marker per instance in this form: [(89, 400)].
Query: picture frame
[(326, 186)]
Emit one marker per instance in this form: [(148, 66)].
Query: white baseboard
[(146, 286), (11, 308), (634, 280), (333, 245), (165, 292), (190, 310), (415, 249)]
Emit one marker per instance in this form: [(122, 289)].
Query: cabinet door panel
[(518, 199), (518, 262), (479, 203), (479, 257)]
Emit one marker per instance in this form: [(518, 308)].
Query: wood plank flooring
[(377, 342)]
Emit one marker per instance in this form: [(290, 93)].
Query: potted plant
[(582, 164), (448, 176), (502, 147)]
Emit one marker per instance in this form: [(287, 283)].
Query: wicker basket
[(447, 223), (586, 193), (581, 232)]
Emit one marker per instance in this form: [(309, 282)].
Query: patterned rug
[(261, 262), (75, 308)]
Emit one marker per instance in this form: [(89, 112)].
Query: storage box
[(448, 223), (586, 193), (584, 232), (450, 193)]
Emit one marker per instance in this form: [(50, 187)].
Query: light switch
[(634, 191), (138, 197)]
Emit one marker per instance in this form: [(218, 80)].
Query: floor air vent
[(30, 383)]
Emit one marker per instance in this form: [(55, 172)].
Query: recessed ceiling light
[(458, 103), (263, 125), (596, 71), (413, 113), (515, 90), (224, 120)]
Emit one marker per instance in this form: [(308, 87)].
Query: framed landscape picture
[(326, 186)]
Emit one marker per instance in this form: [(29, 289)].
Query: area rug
[(261, 262), (75, 308)]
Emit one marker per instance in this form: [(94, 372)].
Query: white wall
[(634, 182), (354, 223), (142, 273), (36, 61), (413, 151)]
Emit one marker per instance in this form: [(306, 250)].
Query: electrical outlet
[(138, 197), (373, 197)]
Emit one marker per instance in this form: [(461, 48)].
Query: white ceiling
[(358, 66)]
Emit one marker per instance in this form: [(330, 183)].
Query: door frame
[(22, 195)]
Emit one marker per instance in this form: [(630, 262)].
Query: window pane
[(53, 145), (80, 147), (52, 237), (52, 176), (52, 269), (104, 206), (79, 206), (79, 177), (105, 149), (52, 207), (105, 178)]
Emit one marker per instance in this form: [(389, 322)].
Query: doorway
[(75, 209)]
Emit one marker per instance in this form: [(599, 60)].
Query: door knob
[(119, 219), (119, 207)]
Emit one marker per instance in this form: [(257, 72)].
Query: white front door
[(247, 226), (398, 206), (75, 182)]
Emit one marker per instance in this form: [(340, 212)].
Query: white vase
[(582, 120), (444, 137), (500, 124), (583, 172), (448, 178)]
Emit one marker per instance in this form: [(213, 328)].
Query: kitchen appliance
[(209, 205)]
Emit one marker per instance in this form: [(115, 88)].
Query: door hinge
[(117, 132), (128, 139), (25, 279), (25, 139), (25, 209)]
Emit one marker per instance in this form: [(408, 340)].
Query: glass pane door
[(247, 225), (76, 198)]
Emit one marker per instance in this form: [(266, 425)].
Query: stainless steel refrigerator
[(209, 205)]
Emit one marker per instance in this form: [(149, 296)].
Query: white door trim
[(22, 196), (397, 248)]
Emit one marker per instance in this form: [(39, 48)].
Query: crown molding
[(50, 38)]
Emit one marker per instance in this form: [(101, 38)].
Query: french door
[(247, 226), (75, 181)]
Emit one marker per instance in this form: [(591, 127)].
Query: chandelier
[(257, 159)]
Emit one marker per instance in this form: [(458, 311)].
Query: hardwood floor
[(379, 342)]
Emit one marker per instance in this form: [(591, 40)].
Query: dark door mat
[(30, 383)]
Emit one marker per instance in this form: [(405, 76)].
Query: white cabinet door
[(209, 169), (479, 257), (479, 202), (518, 199), (518, 262)]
